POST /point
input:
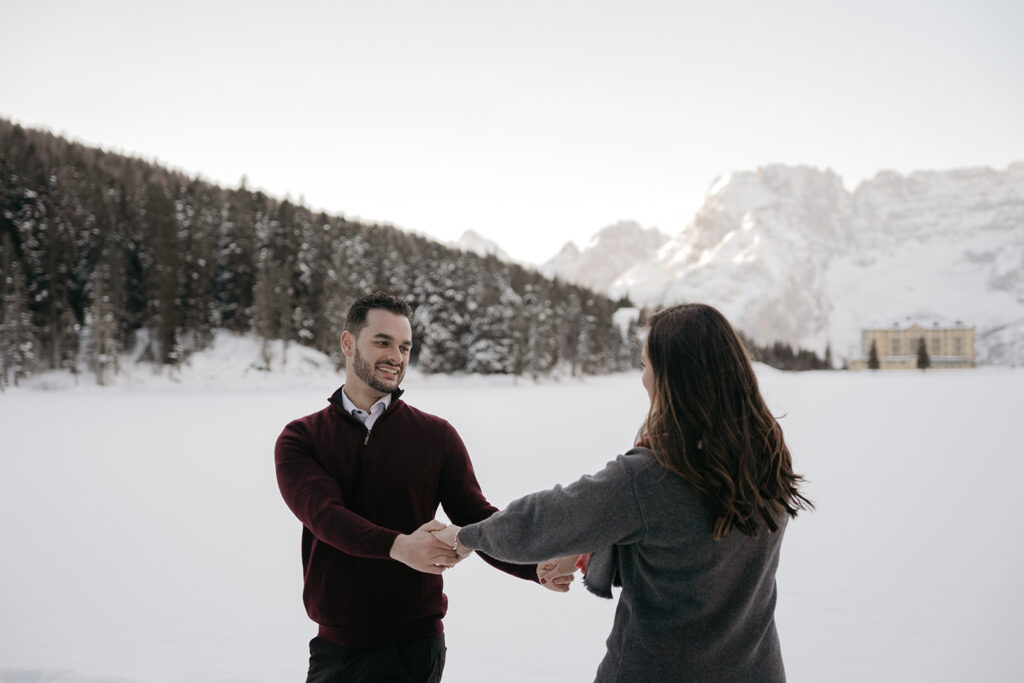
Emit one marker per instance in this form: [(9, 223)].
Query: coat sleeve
[(591, 514), (464, 502), (316, 499)]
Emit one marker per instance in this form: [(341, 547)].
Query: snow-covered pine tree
[(308, 314), (200, 217), (100, 338), (342, 280), (572, 327), (546, 327), (18, 341), (264, 312), (494, 328), (440, 321), (162, 261), (235, 276)]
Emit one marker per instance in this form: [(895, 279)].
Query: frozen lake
[(143, 539)]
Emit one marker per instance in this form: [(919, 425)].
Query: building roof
[(925, 322)]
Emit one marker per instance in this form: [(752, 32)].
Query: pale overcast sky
[(532, 123)]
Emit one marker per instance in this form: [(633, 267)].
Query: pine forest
[(101, 253)]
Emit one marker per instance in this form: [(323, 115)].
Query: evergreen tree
[(590, 345), (101, 340), (308, 314), (234, 280), (525, 332), (57, 282), (18, 344), (572, 332), (628, 355), (162, 260), (873, 362), (270, 313), (546, 324), (440, 322), (493, 327), (201, 219), (923, 360)]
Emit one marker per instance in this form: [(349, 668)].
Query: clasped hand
[(432, 549), (422, 551), (556, 574)]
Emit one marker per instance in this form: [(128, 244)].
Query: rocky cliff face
[(787, 253)]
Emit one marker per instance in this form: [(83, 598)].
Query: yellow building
[(948, 347)]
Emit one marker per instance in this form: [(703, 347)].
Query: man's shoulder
[(310, 421), (421, 418)]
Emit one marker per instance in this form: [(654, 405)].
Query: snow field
[(144, 540)]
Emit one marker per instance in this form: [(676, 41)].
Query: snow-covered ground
[(143, 539)]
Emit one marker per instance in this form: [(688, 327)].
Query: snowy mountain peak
[(789, 254), (611, 251), (568, 251), (627, 233), (474, 242)]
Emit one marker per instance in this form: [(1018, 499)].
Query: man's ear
[(348, 344)]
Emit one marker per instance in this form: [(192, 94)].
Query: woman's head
[(692, 349), (709, 424)]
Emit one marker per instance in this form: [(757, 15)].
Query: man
[(365, 476)]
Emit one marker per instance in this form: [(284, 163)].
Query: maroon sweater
[(354, 491)]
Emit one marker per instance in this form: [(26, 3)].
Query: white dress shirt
[(367, 418)]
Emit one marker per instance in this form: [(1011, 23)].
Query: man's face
[(379, 355)]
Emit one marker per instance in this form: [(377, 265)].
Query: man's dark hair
[(356, 319)]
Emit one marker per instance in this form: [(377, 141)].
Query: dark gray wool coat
[(691, 608)]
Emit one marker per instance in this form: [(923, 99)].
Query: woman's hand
[(449, 536), (557, 574)]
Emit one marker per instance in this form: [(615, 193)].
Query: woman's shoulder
[(667, 504), (641, 465), (652, 477), (638, 459), (626, 469)]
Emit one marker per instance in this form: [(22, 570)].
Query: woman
[(689, 523)]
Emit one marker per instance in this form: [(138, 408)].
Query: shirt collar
[(380, 406)]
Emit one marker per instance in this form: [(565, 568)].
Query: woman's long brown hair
[(709, 424)]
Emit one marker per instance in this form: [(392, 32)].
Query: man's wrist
[(395, 547)]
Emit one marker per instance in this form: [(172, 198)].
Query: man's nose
[(394, 356)]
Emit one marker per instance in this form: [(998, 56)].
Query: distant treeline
[(784, 357), (778, 355), (101, 253)]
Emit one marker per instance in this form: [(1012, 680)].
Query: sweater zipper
[(383, 415)]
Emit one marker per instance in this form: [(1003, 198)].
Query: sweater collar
[(337, 404)]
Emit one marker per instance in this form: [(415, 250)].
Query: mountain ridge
[(789, 254)]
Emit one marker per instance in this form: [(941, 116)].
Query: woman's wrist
[(459, 548)]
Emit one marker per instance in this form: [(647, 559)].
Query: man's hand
[(557, 574), (424, 553), (447, 535)]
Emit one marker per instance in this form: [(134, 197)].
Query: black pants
[(415, 661)]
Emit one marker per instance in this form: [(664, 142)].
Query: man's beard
[(364, 371)]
